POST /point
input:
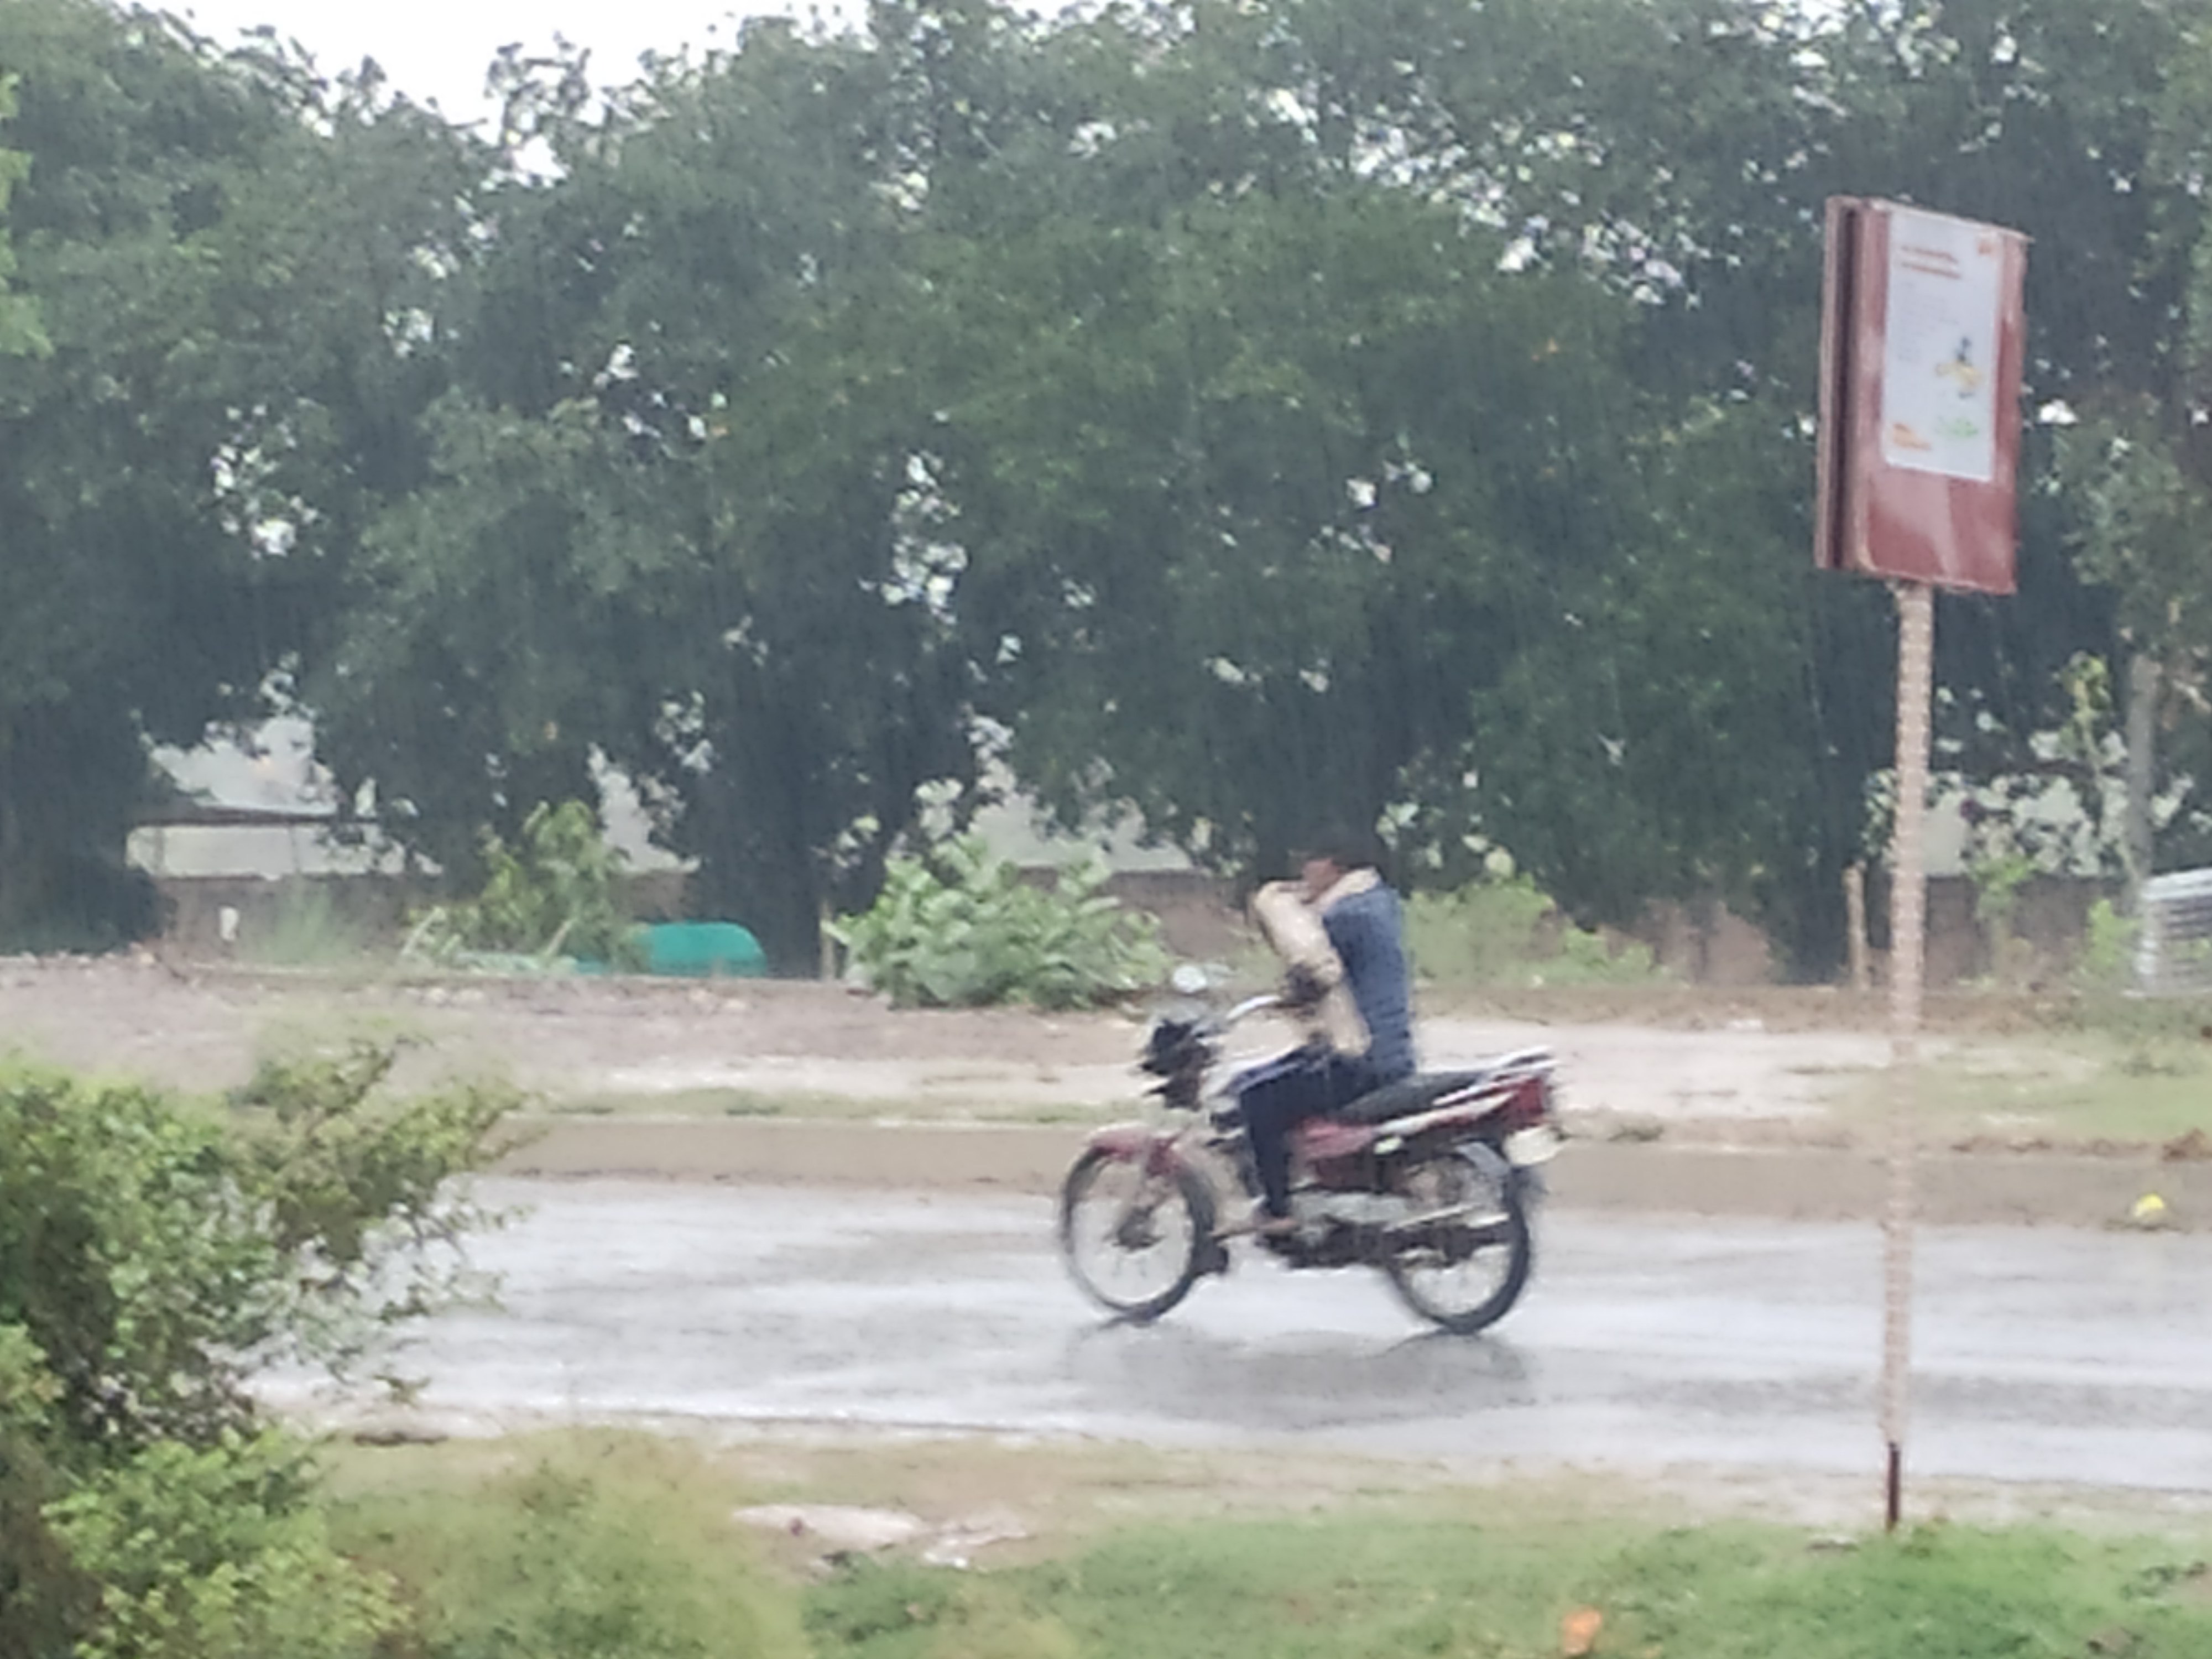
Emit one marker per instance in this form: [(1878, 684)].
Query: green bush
[(217, 1554), (1509, 931), (559, 893), (962, 929), (153, 1255), (44, 1599)]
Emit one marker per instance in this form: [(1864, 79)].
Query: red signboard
[(1921, 334)]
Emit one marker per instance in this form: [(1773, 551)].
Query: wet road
[(2042, 1355)]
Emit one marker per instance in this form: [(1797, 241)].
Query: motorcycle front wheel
[(1133, 1239), (1463, 1270)]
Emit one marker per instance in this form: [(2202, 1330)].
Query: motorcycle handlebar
[(1248, 1007)]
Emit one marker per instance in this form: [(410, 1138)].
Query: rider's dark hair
[(1344, 846)]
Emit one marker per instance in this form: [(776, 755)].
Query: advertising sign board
[(1921, 329)]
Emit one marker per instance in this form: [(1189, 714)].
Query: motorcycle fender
[(1525, 1148), (1140, 1143)]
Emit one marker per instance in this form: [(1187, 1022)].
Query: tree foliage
[(20, 333), (1242, 413), (223, 250)]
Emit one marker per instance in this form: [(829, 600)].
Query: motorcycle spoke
[(1130, 1237), (1465, 1255)]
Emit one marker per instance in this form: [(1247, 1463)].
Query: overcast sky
[(436, 50)]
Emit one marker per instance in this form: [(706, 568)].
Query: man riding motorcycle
[(1340, 929)]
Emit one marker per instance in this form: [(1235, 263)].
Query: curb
[(1800, 1183)]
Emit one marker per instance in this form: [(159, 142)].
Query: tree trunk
[(13, 864), (68, 780), (2136, 848)]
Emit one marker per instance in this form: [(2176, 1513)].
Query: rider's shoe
[(1259, 1223)]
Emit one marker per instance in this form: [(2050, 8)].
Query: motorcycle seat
[(1411, 1094)]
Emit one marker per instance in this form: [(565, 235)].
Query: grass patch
[(578, 1547), (1368, 1585), (602, 1544), (307, 929), (2093, 1087)]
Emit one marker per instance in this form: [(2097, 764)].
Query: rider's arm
[(1294, 928)]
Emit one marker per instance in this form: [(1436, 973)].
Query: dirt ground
[(200, 1027), (630, 1045), (696, 1079)]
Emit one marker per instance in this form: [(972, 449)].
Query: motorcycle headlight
[(1170, 1046)]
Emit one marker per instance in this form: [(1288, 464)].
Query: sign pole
[(1922, 362), (1916, 642)]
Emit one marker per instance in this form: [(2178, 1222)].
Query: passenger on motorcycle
[(1340, 930)]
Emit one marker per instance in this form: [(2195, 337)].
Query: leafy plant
[(153, 1253), (959, 929), (1998, 879), (559, 892), (218, 1553)]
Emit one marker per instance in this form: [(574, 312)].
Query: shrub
[(44, 1598), (217, 1554), (559, 892), (153, 1255), (962, 929)]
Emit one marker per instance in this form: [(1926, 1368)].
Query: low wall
[(2050, 925), (372, 911), (1198, 920), (1196, 913)]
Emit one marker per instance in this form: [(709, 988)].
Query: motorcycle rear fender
[(1158, 1150)]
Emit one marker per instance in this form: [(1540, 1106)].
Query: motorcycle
[(1430, 1180)]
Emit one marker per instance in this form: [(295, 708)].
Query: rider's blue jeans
[(1276, 1096)]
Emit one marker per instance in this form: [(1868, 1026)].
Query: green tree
[(1087, 380), (230, 257), (667, 520), (1247, 412), (1681, 151), (20, 334), (2137, 478)]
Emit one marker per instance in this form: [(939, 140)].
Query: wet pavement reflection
[(2042, 1355)]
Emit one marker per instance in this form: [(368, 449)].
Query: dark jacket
[(1367, 931)]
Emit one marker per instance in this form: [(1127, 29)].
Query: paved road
[(2044, 1355)]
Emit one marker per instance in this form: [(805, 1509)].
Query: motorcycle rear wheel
[(1467, 1276), (1134, 1241)]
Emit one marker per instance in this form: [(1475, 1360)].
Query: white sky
[(436, 50)]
